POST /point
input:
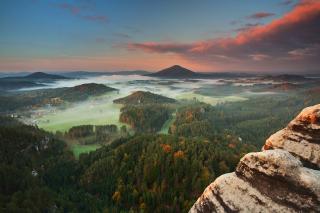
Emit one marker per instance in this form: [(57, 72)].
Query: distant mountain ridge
[(36, 79), (85, 74), (285, 77), (35, 76), (179, 72), (175, 71), (42, 75)]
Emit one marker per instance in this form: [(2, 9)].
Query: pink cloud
[(160, 48), (298, 29), (259, 57), (260, 15), (247, 27)]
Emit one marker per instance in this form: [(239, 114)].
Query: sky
[(115, 35)]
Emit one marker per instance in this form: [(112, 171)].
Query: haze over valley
[(140, 106)]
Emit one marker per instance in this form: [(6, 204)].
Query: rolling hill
[(141, 97), (36, 79), (179, 72), (57, 96), (175, 71)]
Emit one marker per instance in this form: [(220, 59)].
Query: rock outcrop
[(284, 177), (301, 137)]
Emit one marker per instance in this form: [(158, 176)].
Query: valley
[(114, 99), (136, 135), (172, 106)]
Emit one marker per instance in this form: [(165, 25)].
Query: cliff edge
[(283, 177)]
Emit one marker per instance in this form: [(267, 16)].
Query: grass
[(101, 110), (95, 112), (78, 149), (210, 100)]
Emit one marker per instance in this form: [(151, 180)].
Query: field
[(78, 149), (101, 110), (95, 111), (210, 100)]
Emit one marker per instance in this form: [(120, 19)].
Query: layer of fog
[(102, 110)]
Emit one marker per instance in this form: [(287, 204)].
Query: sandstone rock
[(284, 177), (229, 193), (301, 137)]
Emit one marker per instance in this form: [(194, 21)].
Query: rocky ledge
[(284, 177), (301, 137)]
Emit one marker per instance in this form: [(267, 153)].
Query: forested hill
[(39, 174), (141, 97), (57, 96), (145, 111), (142, 172), (175, 71), (34, 167), (84, 91)]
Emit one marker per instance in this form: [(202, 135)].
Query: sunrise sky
[(207, 35)]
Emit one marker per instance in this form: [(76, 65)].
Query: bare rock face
[(301, 137), (284, 177)]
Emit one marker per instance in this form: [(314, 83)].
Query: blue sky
[(36, 30)]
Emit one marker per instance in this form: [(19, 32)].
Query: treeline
[(193, 121), (142, 97), (253, 120), (256, 119), (145, 112), (158, 173), (140, 173), (155, 173), (36, 171), (92, 134), (145, 118)]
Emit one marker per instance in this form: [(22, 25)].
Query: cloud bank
[(291, 42)]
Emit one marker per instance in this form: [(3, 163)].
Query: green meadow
[(78, 149), (101, 110), (96, 112), (210, 99)]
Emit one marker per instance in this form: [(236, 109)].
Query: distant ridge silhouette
[(175, 71), (42, 75)]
